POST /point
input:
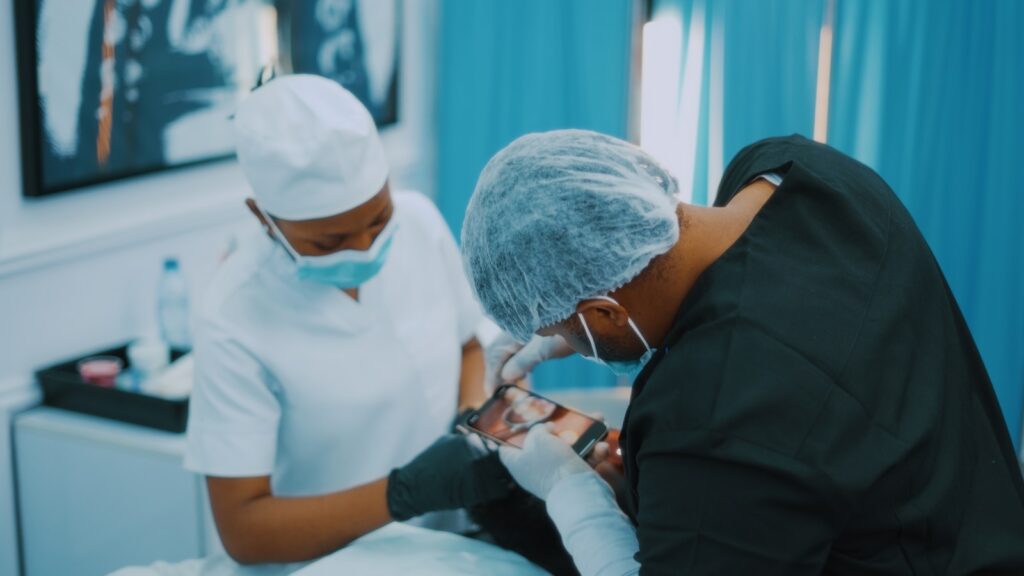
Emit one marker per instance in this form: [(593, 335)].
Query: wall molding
[(17, 390), (48, 231), (143, 231)]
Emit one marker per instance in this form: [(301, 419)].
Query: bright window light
[(821, 96), (659, 87)]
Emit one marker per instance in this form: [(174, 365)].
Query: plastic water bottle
[(172, 307)]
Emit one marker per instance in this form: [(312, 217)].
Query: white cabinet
[(96, 495)]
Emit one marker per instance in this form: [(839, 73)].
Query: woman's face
[(355, 229)]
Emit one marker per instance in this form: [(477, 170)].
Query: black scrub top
[(819, 406)]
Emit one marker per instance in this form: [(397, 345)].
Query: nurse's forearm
[(471, 379), (257, 527)]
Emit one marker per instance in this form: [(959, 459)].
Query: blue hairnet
[(558, 217)]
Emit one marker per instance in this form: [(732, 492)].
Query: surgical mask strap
[(593, 347), (628, 319), (279, 236), (638, 333), (590, 337)]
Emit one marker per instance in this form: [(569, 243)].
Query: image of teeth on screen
[(512, 413)]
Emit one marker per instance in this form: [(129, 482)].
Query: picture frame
[(114, 89), (354, 42)]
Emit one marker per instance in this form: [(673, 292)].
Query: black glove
[(459, 420), (449, 474)]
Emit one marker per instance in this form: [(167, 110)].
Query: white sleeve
[(233, 414), (598, 536)]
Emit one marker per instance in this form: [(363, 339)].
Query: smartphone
[(510, 413)]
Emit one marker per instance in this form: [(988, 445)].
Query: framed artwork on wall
[(111, 89), (115, 88), (355, 42)]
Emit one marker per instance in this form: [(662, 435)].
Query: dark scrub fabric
[(819, 406)]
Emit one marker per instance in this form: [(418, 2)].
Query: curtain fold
[(927, 92), (931, 95), (509, 68), (749, 69)]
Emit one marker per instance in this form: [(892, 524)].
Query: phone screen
[(512, 411)]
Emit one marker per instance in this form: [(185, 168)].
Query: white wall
[(78, 271)]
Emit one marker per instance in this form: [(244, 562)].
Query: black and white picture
[(354, 42), (120, 87), (116, 88)]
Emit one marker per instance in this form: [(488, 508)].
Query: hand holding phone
[(510, 413), (543, 462)]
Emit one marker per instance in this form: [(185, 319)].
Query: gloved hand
[(508, 360), (542, 462), (455, 426), (452, 473), (496, 354)]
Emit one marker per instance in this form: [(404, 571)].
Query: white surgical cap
[(309, 148), (558, 217)]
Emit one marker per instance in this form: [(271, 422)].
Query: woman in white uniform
[(334, 346)]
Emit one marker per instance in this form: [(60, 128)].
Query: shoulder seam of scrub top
[(257, 249)]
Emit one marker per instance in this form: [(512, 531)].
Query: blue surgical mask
[(344, 268), (630, 368)]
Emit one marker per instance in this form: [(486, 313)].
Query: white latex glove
[(510, 361), (496, 354), (543, 461)]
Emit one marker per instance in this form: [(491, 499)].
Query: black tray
[(64, 388)]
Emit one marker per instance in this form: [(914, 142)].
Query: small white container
[(148, 358)]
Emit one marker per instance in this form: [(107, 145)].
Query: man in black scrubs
[(808, 398)]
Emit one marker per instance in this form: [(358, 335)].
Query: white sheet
[(396, 549)]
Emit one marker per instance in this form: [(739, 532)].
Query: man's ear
[(259, 216), (603, 310)]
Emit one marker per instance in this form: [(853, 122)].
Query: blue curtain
[(757, 75), (770, 66), (931, 94), (509, 68), (927, 92)]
